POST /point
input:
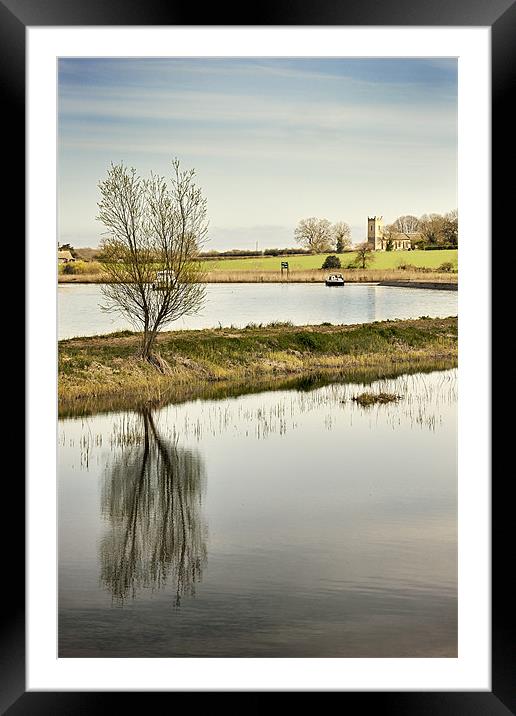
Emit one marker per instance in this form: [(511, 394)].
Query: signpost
[(284, 267)]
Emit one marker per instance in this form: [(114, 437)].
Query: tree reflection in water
[(151, 497)]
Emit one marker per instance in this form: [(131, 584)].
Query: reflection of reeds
[(151, 498), (277, 412), (219, 390)]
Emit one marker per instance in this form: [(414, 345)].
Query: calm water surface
[(79, 310), (279, 524)]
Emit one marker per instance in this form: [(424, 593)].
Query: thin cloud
[(272, 140)]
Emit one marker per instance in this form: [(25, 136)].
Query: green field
[(382, 260)]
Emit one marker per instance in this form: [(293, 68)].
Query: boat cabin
[(164, 279)]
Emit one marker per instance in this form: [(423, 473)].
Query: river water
[(285, 523), (79, 312)]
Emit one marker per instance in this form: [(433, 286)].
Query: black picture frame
[(500, 16)]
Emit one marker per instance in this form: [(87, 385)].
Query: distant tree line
[(243, 253), (285, 252), (437, 231), (234, 254)]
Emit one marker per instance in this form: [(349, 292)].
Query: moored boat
[(335, 279)]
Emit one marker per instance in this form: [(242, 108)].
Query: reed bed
[(308, 276), (319, 276), (99, 277)]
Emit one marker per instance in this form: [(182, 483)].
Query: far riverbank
[(404, 279)]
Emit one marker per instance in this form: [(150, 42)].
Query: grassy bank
[(104, 369), (383, 260)]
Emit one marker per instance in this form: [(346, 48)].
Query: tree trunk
[(147, 354), (147, 344)]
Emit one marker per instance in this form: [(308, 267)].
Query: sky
[(272, 141)]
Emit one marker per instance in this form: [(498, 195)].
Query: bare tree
[(341, 233), (314, 234), (406, 224), (431, 228), (450, 229), (365, 255), (439, 229), (152, 227)]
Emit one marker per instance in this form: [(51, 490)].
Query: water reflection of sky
[(330, 529), (239, 304)]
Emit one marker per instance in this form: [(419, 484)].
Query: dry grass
[(82, 278), (319, 276), (310, 276)]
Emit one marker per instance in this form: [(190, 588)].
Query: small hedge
[(331, 262)]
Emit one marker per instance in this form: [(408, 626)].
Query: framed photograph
[(259, 452)]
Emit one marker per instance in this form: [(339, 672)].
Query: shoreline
[(103, 370), (440, 286), (430, 283)]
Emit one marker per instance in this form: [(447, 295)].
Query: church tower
[(375, 232)]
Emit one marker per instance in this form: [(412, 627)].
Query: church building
[(378, 239)]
